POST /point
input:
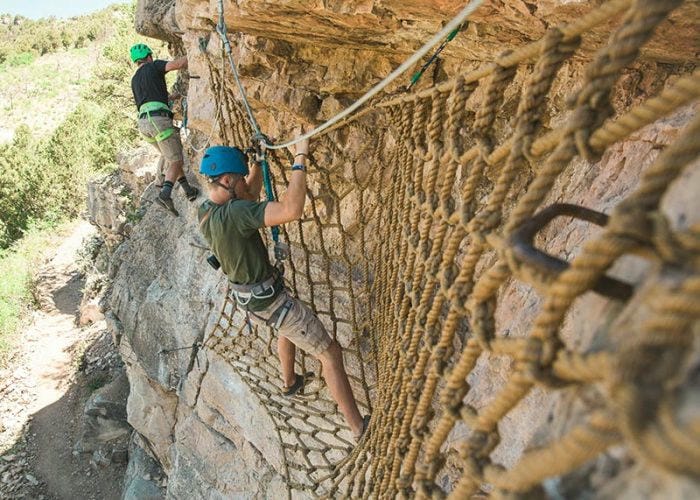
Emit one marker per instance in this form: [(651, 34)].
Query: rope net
[(404, 253)]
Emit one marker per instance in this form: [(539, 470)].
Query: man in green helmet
[(155, 119)]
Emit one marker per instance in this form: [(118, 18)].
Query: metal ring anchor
[(521, 243)]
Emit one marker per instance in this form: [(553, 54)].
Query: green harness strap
[(148, 108)]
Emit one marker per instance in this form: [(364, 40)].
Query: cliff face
[(211, 420)]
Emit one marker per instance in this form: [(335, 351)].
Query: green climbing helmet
[(140, 51)]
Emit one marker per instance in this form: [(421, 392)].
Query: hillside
[(63, 91), (42, 93), (66, 109), (46, 64)]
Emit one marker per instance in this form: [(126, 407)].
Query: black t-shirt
[(148, 83)]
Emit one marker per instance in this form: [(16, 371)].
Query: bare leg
[(339, 385), (286, 351), (174, 171), (160, 171)]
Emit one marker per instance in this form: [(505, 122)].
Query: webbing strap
[(160, 136), (255, 288), (149, 107), (280, 314)]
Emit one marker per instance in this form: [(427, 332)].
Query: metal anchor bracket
[(521, 243)]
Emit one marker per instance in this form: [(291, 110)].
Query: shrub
[(44, 180), (21, 59)]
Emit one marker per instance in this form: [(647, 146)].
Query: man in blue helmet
[(155, 120), (231, 221)]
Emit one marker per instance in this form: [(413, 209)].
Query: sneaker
[(298, 385), (167, 203), (192, 193)]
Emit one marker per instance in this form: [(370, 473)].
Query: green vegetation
[(45, 88), (43, 175), (42, 179), (16, 266), (22, 39), (97, 381)]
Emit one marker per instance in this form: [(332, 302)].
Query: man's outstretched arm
[(255, 180), (177, 64), (291, 207)]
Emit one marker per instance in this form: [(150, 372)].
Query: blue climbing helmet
[(219, 160)]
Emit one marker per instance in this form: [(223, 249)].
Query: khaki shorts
[(170, 148), (301, 325)]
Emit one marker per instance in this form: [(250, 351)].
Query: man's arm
[(255, 180), (179, 63), (291, 207)]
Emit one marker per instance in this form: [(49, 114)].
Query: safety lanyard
[(281, 250)]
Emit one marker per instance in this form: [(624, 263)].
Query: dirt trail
[(42, 393)]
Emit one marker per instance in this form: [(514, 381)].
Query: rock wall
[(301, 62)]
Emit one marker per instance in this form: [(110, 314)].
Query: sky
[(35, 9)]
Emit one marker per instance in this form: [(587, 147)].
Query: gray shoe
[(167, 203)]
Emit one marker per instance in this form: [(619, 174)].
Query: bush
[(44, 180), (21, 59), (16, 267), (46, 35)]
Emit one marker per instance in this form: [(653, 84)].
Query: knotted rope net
[(404, 256)]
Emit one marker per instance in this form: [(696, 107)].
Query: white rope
[(437, 38)]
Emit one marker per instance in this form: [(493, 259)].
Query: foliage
[(19, 35), (43, 179), (20, 59)]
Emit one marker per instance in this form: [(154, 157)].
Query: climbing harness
[(156, 108), (416, 76), (265, 289)]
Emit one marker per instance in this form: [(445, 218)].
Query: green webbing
[(148, 108), (160, 136)]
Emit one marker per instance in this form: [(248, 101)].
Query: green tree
[(44, 180)]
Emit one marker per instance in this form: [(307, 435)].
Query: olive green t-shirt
[(232, 231)]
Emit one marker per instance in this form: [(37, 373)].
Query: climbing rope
[(221, 30), (417, 310)]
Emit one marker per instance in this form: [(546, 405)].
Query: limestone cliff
[(197, 409)]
